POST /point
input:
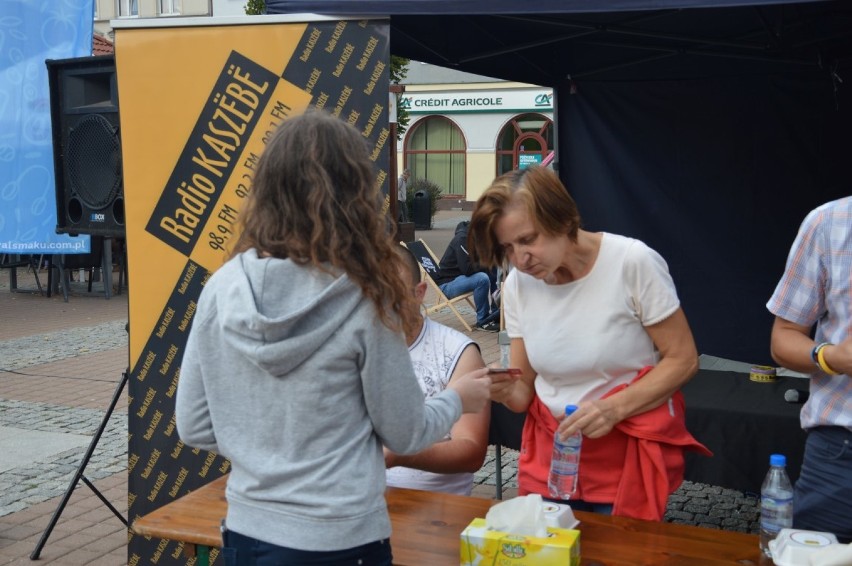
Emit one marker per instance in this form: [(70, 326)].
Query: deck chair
[(429, 265)]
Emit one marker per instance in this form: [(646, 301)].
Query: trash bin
[(421, 211)]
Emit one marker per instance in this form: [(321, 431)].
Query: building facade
[(106, 10), (465, 129)]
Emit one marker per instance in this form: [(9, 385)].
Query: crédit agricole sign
[(468, 101)]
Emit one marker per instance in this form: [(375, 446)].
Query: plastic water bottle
[(565, 463), (776, 502)]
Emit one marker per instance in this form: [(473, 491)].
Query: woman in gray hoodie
[(296, 368)]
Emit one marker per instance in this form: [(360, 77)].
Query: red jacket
[(635, 467)]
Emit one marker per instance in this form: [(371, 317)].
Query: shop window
[(435, 149), (128, 8), (525, 140), (169, 7)]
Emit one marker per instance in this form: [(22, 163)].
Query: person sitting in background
[(816, 289), (457, 275), (440, 355)]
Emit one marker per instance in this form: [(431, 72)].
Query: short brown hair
[(540, 192), (411, 264)]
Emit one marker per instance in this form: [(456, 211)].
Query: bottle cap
[(569, 409), (777, 460)]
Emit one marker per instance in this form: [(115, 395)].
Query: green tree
[(398, 72), (255, 7), (398, 67)]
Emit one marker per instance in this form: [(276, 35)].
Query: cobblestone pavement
[(53, 346), (60, 363), (49, 477), (44, 479)]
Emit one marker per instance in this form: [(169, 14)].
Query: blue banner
[(30, 32)]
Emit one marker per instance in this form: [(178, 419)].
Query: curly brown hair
[(315, 200), (536, 189)]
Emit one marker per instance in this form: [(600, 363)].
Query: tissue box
[(481, 545)]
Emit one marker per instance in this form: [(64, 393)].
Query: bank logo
[(544, 99), (405, 102)]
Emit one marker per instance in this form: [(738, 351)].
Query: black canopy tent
[(707, 129)]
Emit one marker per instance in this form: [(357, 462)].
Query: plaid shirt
[(816, 288)]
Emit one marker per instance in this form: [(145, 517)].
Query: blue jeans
[(242, 550), (824, 489), (480, 284)]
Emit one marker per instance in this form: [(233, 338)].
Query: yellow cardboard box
[(482, 546)]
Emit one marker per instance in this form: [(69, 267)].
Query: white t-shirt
[(434, 354), (585, 337)]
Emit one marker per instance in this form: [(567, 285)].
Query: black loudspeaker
[(86, 146)]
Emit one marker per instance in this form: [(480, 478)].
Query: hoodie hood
[(461, 227), (271, 325)]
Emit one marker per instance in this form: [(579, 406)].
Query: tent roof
[(485, 7), (548, 41)]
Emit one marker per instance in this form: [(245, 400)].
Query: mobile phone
[(510, 371)]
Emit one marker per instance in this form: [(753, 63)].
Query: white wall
[(229, 7)]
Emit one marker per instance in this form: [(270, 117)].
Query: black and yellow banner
[(197, 105)]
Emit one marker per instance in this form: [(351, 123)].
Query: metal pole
[(393, 91), (79, 474)]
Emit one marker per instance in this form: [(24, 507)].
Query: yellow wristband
[(823, 365)]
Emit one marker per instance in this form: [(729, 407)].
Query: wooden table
[(426, 528)]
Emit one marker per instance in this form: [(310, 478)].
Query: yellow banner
[(197, 105)]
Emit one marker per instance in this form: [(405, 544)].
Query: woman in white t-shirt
[(588, 313)]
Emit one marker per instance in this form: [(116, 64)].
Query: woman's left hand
[(593, 418)]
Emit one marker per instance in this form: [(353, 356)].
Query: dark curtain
[(716, 175)]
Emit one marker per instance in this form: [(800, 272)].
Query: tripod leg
[(79, 474), (104, 500)]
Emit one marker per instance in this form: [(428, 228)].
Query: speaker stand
[(78, 476), (106, 271)]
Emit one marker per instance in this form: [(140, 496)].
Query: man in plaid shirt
[(816, 290)]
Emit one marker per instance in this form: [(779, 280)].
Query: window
[(525, 140), (169, 7), (435, 150), (128, 8)]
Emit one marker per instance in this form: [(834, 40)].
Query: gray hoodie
[(289, 373)]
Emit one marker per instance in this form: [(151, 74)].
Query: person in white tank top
[(440, 354)]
